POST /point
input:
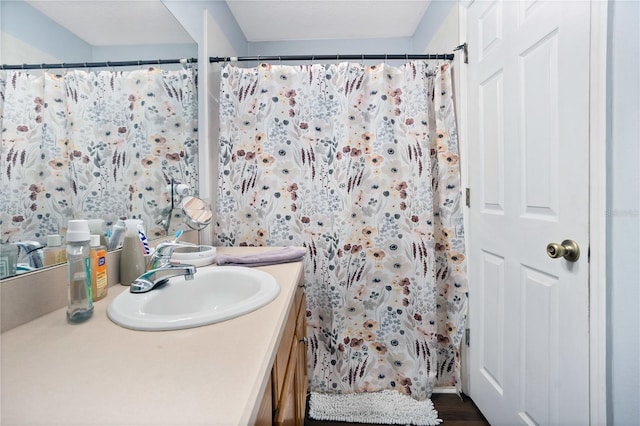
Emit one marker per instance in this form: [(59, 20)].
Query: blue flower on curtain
[(359, 165)]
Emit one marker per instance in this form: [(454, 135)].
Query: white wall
[(29, 36), (623, 213), (444, 40), (436, 29), (330, 47), (145, 52), (15, 51), (217, 33), (227, 35)]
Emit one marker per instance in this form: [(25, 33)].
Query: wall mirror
[(92, 143)]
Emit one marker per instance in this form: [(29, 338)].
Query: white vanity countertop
[(98, 373)]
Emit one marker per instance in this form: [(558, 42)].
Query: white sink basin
[(216, 293)]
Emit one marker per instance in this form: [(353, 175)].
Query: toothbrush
[(143, 238), (145, 243)]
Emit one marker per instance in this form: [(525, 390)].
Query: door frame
[(597, 214), (597, 197)]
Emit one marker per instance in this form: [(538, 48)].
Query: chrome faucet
[(160, 269), (33, 251)]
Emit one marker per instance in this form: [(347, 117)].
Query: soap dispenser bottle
[(79, 304), (132, 263)]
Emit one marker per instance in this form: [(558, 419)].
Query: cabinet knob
[(303, 340)]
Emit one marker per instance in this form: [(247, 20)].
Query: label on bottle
[(100, 273), (55, 256)]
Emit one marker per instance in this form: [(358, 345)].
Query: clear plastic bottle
[(132, 263), (79, 304), (8, 260), (54, 252), (116, 235), (97, 227), (99, 281)]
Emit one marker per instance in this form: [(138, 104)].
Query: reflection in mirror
[(100, 144), (197, 212), (185, 209)]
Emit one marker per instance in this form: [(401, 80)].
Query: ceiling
[(118, 22), (276, 20), (115, 22)]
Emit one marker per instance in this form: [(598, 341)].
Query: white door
[(529, 177)]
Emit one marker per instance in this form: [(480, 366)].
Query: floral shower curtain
[(93, 145), (359, 164)]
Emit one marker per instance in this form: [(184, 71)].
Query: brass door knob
[(569, 249)]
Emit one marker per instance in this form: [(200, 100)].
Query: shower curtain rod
[(259, 58), (99, 64)]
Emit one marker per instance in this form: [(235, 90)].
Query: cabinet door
[(286, 411), (284, 352), (265, 413), (301, 364)]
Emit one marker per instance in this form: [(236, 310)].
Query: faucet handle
[(163, 252), (166, 249)]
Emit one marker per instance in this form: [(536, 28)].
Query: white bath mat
[(385, 407)]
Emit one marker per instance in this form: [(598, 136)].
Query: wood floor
[(452, 409)]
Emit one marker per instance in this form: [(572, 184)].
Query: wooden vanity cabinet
[(301, 378), (286, 393)]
